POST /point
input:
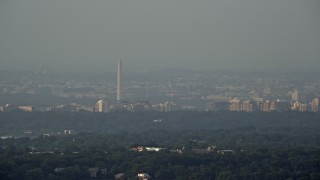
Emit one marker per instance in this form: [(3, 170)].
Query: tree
[(35, 174)]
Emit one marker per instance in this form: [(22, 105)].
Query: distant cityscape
[(165, 91)]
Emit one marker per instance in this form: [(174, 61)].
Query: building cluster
[(102, 106), (72, 107), (161, 91), (259, 105), (235, 104), (139, 106), (10, 108), (143, 148)]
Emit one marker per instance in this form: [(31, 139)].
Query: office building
[(100, 106)]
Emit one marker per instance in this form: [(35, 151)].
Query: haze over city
[(151, 35), (159, 90)]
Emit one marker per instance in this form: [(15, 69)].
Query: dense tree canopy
[(263, 145)]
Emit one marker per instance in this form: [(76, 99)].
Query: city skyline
[(210, 89), (160, 91)]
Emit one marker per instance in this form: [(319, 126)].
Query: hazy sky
[(154, 34)]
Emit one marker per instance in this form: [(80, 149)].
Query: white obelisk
[(119, 81)]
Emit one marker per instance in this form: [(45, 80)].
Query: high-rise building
[(235, 105), (100, 106), (303, 107), (315, 105), (266, 106), (119, 80), (246, 106)]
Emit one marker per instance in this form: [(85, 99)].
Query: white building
[(100, 106)]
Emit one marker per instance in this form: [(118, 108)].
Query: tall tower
[(119, 80)]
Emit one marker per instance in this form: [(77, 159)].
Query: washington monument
[(119, 80)]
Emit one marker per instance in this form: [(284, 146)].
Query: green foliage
[(266, 146)]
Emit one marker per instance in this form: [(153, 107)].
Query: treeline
[(52, 122), (39, 158), (262, 145), (238, 138)]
